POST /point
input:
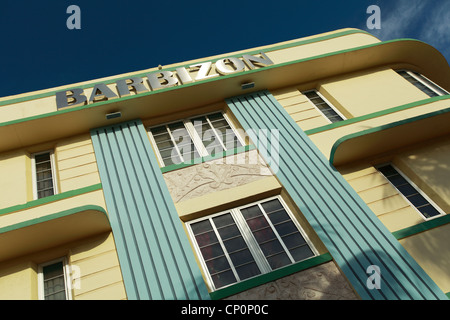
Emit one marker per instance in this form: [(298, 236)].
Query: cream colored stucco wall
[(95, 275), (429, 249)]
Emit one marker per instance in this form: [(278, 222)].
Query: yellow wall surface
[(298, 106), (353, 95), (95, 271), (370, 91), (428, 165), (424, 164), (76, 163), (429, 249), (15, 178), (75, 167), (18, 281), (381, 197)]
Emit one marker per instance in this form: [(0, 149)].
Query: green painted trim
[(381, 128), (279, 47), (448, 294), (59, 196), (248, 72), (424, 226), (195, 161), (271, 276), (376, 114), (52, 217)]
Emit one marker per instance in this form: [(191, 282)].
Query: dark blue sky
[(38, 50)]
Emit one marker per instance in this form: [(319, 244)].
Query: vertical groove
[(155, 258)]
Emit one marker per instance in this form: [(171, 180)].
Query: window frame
[(193, 134), (53, 170), (419, 191), (67, 278), (425, 81), (249, 239), (329, 104)]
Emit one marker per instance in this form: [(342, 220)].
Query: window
[(324, 106), (54, 281), (422, 83), (410, 191), (44, 183), (248, 241), (183, 141)]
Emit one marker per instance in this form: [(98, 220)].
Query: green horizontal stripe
[(195, 161), (269, 277), (424, 226), (376, 114), (383, 127), (56, 197), (73, 109), (279, 47), (53, 217)]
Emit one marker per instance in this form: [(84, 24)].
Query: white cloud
[(399, 19), (428, 21), (436, 28)]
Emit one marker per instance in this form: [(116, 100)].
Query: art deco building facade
[(316, 168)]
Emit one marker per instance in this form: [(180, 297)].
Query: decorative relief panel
[(323, 282), (216, 175)]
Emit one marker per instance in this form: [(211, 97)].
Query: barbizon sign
[(160, 79)]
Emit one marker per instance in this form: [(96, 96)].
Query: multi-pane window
[(422, 83), (248, 241), (53, 281), (183, 141), (43, 174), (410, 191), (324, 106)]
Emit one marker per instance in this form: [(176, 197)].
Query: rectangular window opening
[(44, 178), (410, 191), (421, 82), (248, 241), (324, 106), (54, 281), (192, 138)]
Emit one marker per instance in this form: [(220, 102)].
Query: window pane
[(43, 175), (420, 85), (42, 157), (227, 236), (217, 265), (429, 211), (224, 278), (248, 270), (265, 237), (323, 106), (301, 253), (54, 284), (279, 260), (417, 200)]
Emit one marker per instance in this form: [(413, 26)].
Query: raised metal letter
[(264, 60), (101, 92), (183, 75), (237, 66), (203, 71), (125, 86), (70, 98), (161, 79)]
